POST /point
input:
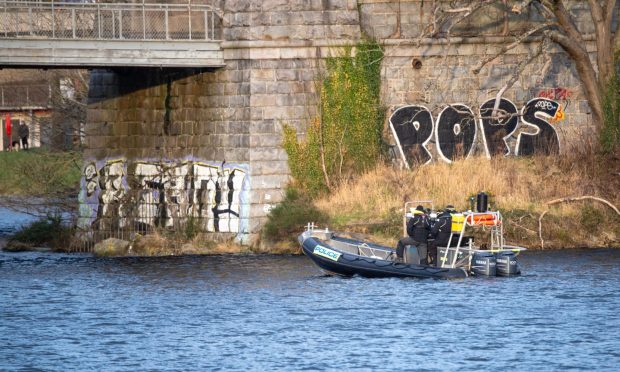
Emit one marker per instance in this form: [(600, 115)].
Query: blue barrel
[(483, 263), (507, 264)]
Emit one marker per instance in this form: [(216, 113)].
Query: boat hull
[(347, 264)]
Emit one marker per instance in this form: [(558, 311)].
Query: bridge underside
[(110, 53)]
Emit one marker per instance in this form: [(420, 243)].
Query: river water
[(76, 312)]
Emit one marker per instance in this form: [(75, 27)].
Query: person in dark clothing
[(418, 228), (440, 233), (24, 132)]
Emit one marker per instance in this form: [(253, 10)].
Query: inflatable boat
[(336, 254), (348, 257)]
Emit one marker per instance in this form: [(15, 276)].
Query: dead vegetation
[(519, 187)]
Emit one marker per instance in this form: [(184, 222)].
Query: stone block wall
[(444, 73), (167, 148), (381, 19), (445, 78), (162, 145)]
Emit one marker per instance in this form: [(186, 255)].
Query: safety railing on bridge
[(91, 20), (25, 96)]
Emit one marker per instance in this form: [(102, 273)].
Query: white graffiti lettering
[(141, 195)]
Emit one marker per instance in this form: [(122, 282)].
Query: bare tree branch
[(566, 21), (517, 42), (565, 200), (546, 67), (517, 73)]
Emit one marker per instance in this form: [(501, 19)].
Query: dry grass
[(158, 244), (153, 244), (518, 187)]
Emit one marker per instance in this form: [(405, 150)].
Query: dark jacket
[(23, 131), (441, 229), (418, 227)]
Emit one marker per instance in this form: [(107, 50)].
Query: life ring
[(487, 219)]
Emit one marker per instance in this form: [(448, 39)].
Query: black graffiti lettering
[(544, 141), (495, 131), (216, 212), (231, 187), (229, 199), (164, 194), (455, 132), (412, 127)]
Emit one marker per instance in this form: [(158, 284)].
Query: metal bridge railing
[(92, 20)]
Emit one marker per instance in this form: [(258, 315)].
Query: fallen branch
[(565, 200), (523, 227)]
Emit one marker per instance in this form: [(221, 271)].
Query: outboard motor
[(483, 263), (507, 264)]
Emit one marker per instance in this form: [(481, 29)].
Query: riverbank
[(373, 204), (518, 187), (40, 172)]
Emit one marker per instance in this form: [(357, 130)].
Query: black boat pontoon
[(347, 257), (344, 256)]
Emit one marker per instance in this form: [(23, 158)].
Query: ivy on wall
[(610, 135), (345, 138)]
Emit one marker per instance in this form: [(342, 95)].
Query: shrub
[(610, 134), (287, 219), (48, 231), (39, 172), (591, 218), (345, 138)]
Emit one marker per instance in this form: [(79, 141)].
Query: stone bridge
[(166, 147)]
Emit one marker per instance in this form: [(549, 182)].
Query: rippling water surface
[(76, 312)]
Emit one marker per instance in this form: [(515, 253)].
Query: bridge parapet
[(108, 21), (54, 33)]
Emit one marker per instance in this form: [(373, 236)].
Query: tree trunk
[(322, 152), (587, 75), (604, 53)]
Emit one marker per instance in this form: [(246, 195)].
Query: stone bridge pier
[(166, 148)]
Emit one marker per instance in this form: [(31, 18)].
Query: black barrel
[(482, 202), (483, 263), (507, 264)]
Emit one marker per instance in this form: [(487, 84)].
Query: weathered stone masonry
[(167, 146)]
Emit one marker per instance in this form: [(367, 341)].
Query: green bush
[(48, 231), (39, 172), (288, 219), (591, 218), (348, 128), (610, 134)]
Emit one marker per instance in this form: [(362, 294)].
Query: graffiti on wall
[(456, 130), (413, 127), (544, 139), (141, 195), (556, 94)]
